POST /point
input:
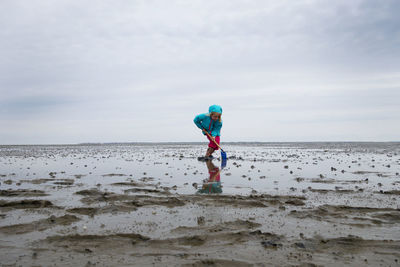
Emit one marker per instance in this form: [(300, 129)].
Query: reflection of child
[(211, 123), (213, 185)]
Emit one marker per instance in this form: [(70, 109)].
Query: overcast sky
[(127, 71)]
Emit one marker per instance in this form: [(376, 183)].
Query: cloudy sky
[(140, 70)]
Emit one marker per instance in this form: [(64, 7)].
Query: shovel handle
[(213, 139)]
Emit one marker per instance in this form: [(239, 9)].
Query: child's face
[(215, 116)]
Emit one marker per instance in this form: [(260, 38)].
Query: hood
[(215, 108)]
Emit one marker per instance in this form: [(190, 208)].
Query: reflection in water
[(213, 184)]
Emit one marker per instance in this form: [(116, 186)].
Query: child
[(210, 123)]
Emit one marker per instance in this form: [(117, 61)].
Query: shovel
[(223, 154)]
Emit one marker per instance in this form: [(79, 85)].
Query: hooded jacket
[(204, 121)]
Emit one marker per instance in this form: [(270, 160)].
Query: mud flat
[(301, 204)]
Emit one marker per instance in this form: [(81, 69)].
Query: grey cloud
[(118, 62), (31, 106)]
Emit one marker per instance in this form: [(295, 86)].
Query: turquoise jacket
[(204, 121)]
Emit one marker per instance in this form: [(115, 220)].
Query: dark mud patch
[(355, 216), (111, 208), (146, 179), (295, 202), (364, 172), (95, 238), (26, 204), (169, 202), (39, 225), (392, 217), (218, 263), (345, 191), (64, 182), (90, 192), (129, 184), (334, 181), (352, 244), (325, 191), (93, 196), (195, 240), (321, 191), (262, 200), (37, 181), (84, 211), (145, 190), (390, 192), (123, 202), (323, 181), (96, 243), (224, 238), (221, 227), (114, 174), (22, 193), (235, 201), (45, 180), (237, 225), (357, 209), (126, 241)]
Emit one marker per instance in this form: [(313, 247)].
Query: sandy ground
[(156, 205)]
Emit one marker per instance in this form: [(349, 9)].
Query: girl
[(210, 123)]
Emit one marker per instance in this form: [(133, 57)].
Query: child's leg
[(209, 152), (211, 146)]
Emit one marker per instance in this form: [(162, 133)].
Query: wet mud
[(39, 225), (25, 204), (355, 216), (22, 193), (328, 204)]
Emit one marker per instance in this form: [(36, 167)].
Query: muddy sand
[(290, 204)]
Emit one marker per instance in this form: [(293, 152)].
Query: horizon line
[(190, 142)]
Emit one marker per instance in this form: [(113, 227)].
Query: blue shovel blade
[(223, 159), (223, 155)]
